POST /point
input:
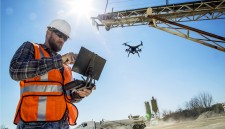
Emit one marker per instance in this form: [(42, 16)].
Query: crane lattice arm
[(168, 19)]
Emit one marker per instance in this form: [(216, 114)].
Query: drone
[(133, 49)]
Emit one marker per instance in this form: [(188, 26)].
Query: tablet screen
[(86, 60)]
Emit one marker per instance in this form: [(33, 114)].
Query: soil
[(207, 120)]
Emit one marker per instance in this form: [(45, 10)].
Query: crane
[(169, 17)]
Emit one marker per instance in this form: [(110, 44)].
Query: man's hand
[(69, 58), (85, 92)]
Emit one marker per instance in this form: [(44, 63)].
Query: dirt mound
[(209, 114), (216, 122)]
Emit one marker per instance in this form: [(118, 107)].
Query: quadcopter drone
[(133, 49)]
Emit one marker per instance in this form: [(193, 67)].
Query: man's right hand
[(69, 58)]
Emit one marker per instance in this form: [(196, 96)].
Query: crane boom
[(167, 18)]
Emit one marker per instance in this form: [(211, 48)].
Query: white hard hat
[(61, 25)]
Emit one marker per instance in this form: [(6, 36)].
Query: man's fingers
[(94, 88), (84, 92), (72, 57), (69, 58)]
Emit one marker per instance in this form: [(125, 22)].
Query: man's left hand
[(85, 92)]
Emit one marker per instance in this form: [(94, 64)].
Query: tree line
[(203, 102)]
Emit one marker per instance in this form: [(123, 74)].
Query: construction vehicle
[(133, 122)]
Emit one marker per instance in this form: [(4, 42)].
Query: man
[(42, 72)]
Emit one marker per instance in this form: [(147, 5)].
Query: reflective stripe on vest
[(45, 76), (41, 52), (38, 88), (42, 108)]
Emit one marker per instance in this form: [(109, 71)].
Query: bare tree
[(202, 101), (205, 99), (194, 103)]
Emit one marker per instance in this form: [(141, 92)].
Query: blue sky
[(171, 69)]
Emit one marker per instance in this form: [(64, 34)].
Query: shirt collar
[(48, 49)]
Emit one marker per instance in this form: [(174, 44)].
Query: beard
[(53, 45)]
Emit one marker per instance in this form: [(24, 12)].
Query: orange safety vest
[(43, 97)]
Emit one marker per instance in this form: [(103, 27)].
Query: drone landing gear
[(138, 54)]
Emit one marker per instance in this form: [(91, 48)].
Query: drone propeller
[(140, 49), (125, 43)]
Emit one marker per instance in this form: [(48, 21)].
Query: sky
[(170, 68)]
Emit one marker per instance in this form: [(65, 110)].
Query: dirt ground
[(213, 122)]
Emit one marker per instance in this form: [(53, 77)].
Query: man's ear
[(48, 34)]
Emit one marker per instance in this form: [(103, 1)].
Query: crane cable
[(106, 6)]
